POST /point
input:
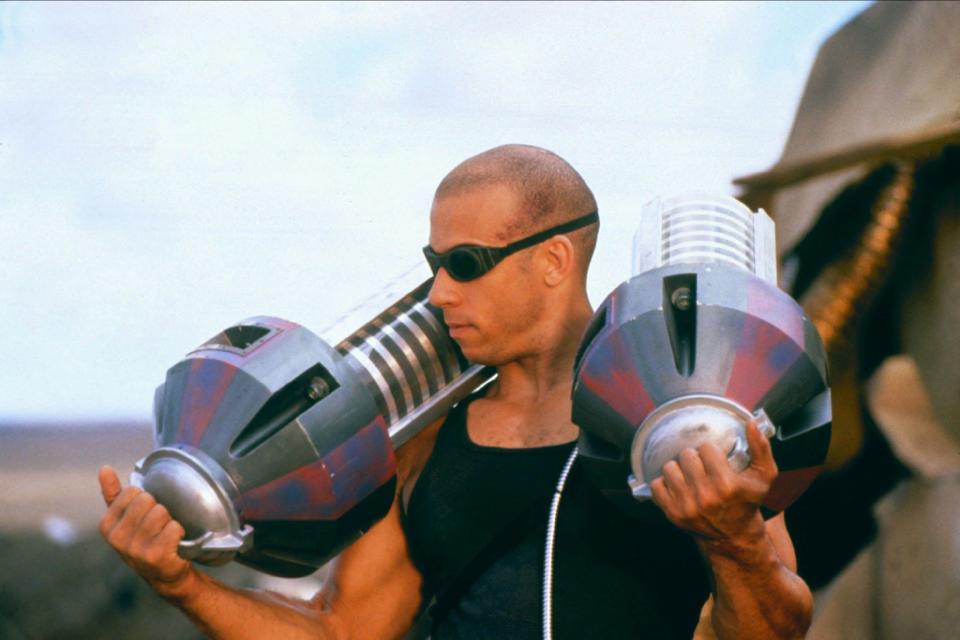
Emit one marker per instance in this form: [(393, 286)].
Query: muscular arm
[(756, 592), (373, 591)]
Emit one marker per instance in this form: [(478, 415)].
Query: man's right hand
[(145, 536), (373, 592)]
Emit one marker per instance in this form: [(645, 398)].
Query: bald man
[(512, 231)]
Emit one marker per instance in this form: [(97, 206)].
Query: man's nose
[(443, 292)]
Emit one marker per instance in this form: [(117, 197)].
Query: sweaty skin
[(525, 317)]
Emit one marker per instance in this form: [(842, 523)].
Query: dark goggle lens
[(463, 265)]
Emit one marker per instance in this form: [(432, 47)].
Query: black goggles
[(470, 261)]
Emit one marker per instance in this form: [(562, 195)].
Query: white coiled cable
[(548, 555)]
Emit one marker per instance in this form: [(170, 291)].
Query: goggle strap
[(488, 257), (566, 227)]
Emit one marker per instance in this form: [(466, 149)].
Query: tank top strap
[(451, 432)]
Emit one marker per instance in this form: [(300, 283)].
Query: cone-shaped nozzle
[(696, 344), (196, 492)]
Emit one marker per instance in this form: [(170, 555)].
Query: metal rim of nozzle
[(665, 433), (197, 493)]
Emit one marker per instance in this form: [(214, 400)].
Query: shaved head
[(551, 191)]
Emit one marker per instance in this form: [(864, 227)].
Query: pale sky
[(168, 169)]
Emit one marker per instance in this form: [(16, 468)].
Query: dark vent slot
[(680, 313), (283, 407), (240, 338)]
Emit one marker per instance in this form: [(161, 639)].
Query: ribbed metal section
[(841, 294), (708, 230), (406, 354)]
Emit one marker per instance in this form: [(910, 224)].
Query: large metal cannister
[(700, 341), (277, 450)]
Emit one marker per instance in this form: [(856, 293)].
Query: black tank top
[(476, 525)]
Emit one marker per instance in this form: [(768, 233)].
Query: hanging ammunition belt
[(840, 296)]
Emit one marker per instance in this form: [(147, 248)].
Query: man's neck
[(542, 375), (529, 405)]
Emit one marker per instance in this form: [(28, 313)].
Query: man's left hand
[(700, 493)]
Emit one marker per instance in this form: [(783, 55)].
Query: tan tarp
[(886, 85), (894, 68), (906, 585)]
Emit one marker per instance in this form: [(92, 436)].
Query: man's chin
[(476, 354)]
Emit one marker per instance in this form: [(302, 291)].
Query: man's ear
[(558, 252)]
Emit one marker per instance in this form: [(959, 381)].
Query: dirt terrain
[(58, 579)]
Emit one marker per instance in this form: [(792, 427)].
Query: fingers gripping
[(701, 493), (171, 534), (128, 524), (705, 491), (142, 532), (694, 472), (152, 524), (117, 510), (155, 542), (718, 470), (661, 496), (677, 495), (761, 453)]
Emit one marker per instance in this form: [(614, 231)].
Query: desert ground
[(58, 578)]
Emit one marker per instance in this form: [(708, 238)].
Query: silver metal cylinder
[(698, 229), (414, 370)]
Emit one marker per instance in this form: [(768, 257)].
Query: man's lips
[(457, 327)]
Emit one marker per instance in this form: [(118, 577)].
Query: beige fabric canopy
[(887, 83)]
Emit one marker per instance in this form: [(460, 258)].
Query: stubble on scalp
[(551, 191)]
